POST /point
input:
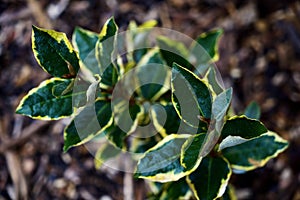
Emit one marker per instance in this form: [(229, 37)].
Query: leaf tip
[(219, 31), (34, 27), (18, 111), (66, 148), (136, 174)]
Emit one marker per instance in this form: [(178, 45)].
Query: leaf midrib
[(58, 98)]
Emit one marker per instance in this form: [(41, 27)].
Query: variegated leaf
[(51, 100), (105, 49), (174, 52), (210, 179), (54, 52), (244, 127), (256, 152), (161, 163), (190, 96), (91, 121), (152, 76)]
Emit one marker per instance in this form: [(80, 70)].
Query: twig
[(18, 124), (11, 17), (165, 16), (55, 10), (26, 135), (128, 181), (16, 173), (13, 161), (38, 13)]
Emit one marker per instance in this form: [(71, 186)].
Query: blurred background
[(259, 58)]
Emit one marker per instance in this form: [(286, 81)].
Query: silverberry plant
[(153, 101)]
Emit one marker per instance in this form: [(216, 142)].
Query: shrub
[(159, 101)]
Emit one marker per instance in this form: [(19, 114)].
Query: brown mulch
[(259, 58)]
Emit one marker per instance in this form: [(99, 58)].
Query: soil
[(259, 58)]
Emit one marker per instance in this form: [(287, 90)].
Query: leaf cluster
[(163, 103)]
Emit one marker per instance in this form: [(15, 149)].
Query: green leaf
[(105, 153), (137, 38), (243, 127), (152, 76), (210, 179), (212, 78), (190, 96), (142, 144), (161, 163), (54, 52), (85, 41), (165, 119), (81, 85), (62, 89), (219, 108), (109, 78), (221, 104), (174, 51), (230, 141), (174, 190), (211, 139), (116, 136), (209, 42), (105, 47), (127, 115), (255, 152), (91, 121), (253, 110), (45, 102), (190, 152)]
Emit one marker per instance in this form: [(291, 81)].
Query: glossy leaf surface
[(190, 95), (244, 127), (252, 110), (174, 52), (91, 121), (210, 179), (105, 47), (85, 41), (54, 52), (47, 101), (161, 163), (255, 152)]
